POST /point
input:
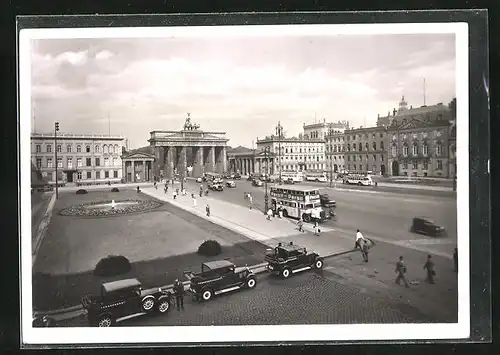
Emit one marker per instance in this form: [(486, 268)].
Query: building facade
[(366, 150), (297, 154), (335, 152), (321, 130), (138, 164), (250, 161), (81, 159)]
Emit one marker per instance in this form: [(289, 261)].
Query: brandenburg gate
[(189, 150)]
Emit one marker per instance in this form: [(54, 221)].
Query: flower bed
[(89, 209)]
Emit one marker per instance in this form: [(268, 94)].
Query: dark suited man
[(179, 294)]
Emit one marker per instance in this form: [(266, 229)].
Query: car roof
[(218, 264), (289, 247), (120, 284)]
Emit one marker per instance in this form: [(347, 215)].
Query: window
[(348, 166), (381, 157), (381, 135), (49, 148), (394, 150), (414, 149), (374, 145), (38, 163), (415, 165), (105, 148), (38, 148), (382, 145), (360, 147), (70, 163), (360, 167), (79, 162), (353, 158), (438, 149), (68, 148), (405, 165), (425, 150), (393, 137), (49, 176), (88, 162), (97, 161), (59, 163), (97, 174), (59, 148), (439, 164), (373, 135), (106, 174), (426, 165), (348, 147), (424, 134), (49, 162), (79, 175), (96, 148), (78, 148), (405, 150), (89, 174), (374, 158), (106, 161), (348, 158), (366, 146), (87, 149)]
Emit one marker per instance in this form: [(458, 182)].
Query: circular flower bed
[(107, 208)]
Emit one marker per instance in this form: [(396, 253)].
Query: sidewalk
[(131, 185), (415, 186), (254, 225)]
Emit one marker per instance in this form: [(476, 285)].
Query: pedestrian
[(429, 265), (138, 189), (359, 238), (156, 186), (201, 190), (280, 212), (455, 260), (179, 294), (194, 201), (401, 271), (317, 231), (206, 192), (364, 251), (250, 201), (174, 194), (269, 214), (207, 209), (300, 224), (165, 189), (184, 192)]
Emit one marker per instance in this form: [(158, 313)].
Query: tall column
[(170, 156), (133, 170), (210, 162), (198, 162), (224, 159), (218, 160), (159, 161), (182, 168)]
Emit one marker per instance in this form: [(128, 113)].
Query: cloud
[(74, 58), (103, 55)]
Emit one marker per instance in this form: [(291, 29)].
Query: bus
[(296, 176), (213, 177), (317, 176), (357, 179), (298, 202)]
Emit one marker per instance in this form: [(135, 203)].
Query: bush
[(112, 265), (115, 189), (209, 248), (81, 192)]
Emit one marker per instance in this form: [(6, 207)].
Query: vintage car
[(124, 299), (216, 185), (288, 181), (256, 182), (230, 183), (424, 225), (218, 277), (199, 180), (288, 259), (236, 176)]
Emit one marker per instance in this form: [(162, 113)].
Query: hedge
[(112, 265), (115, 189), (209, 248), (81, 192)]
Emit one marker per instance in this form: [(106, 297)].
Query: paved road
[(306, 298), (39, 203), (377, 214)]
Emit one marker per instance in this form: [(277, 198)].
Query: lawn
[(160, 244)]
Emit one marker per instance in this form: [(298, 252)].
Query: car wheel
[(360, 184), (318, 264), (206, 295), (306, 218), (412, 229), (163, 305), (105, 321), (285, 213), (285, 273), (147, 304), (251, 282)]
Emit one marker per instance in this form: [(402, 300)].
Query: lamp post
[(266, 197), (330, 135), (56, 129), (279, 132)]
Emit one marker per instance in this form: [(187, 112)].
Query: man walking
[(364, 251), (207, 209), (269, 214), (165, 189), (455, 260), (300, 224), (401, 271), (316, 228), (194, 201), (201, 190), (359, 239), (250, 200), (179, 294), (174, 194), (429, 265)]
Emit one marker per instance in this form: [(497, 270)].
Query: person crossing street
[(300, 224), (207, 210), (429, 265), (401, 271), (364, 251), (179, 294), (269, 214), (359, 239)]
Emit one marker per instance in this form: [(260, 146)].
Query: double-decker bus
[(213, 177), (296, 176), (298, 202), (357, 179), (316, 176)]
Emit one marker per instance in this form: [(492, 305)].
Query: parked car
[(217, 277), (257, 182), (236, 176), (199, 180), (328, 205), (289, 259), (230, 183), (424, 225), (123, 299), (215, 185)]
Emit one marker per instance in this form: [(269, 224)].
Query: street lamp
[(266, 197), (330, 135), (279, 132), (56, 129)]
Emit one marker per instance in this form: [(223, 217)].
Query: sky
[(241, 86)]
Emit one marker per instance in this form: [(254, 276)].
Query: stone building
[(81, 158), (138, 164), (366, 150), (249, 161), (321, 130)]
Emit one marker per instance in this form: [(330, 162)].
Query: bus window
[(309, 205)]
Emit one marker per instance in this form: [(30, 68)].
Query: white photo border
[(252, 334)]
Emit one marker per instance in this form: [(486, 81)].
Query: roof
[(292, 247), (423, 110), (295, 188), (217, 264), (120, 284)]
